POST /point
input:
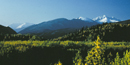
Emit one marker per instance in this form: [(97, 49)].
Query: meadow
[(64, 52)]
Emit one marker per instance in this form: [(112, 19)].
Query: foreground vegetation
[(64, 53)]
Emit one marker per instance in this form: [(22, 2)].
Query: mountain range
[(105, 19), (56, 24), (100, 19), (55, 28), (18, 27), (75, 29)]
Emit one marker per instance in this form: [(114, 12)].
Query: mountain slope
[(125, 22), (57, 33), (6, 30), (19, 26), (107, 32), (56, 24)]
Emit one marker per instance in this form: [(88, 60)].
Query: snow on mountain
[(19, 26), (97, 18), (81, 18), (105, 19), (54, 24), (85, 19), (89, 20), (114, 21), (100, 19)]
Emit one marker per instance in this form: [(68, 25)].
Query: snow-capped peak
[(20, 26), (105, 18), (85, 19), (82, 18), (97, 18)]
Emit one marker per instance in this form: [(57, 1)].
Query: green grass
[(80, 51)]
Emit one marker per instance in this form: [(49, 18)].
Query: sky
[(37, 11)]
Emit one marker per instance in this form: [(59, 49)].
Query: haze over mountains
[(100, 19), (56, 27), (59, 27)]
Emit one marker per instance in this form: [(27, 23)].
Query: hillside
[(58, 33), (125, 22), (107, 32), (8, 34), (6, 30)]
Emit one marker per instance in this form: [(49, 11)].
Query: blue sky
[(37, 11)]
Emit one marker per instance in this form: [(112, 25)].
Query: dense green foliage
[(12, 37), (56, 33), (107, 32), (6, 30), (63, 52), (81, 48), (8, 34)]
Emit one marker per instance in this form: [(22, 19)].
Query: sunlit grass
[(95, 54)]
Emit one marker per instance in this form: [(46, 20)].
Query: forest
[(103, 44)]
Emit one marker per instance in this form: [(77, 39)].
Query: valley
[(98, 44), (64, 32)]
